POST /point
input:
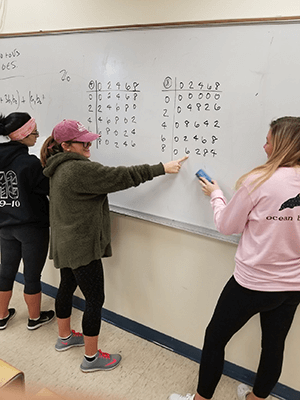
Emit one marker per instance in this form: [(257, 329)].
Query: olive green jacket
[(79, 210)]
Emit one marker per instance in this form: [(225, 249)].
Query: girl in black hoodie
[(24, 217)]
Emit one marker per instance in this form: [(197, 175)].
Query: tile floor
[(147, 371)]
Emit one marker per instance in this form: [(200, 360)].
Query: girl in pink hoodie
[(266, 211)]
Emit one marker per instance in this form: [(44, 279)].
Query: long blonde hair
[(285, 136)]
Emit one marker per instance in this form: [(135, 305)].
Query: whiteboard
[(156, 94)]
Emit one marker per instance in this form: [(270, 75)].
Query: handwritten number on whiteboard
[(64, 75)]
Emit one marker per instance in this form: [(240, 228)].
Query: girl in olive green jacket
[(80, 230)]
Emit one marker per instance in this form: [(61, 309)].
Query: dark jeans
[(25, 242), (235, 307), (90, 280)]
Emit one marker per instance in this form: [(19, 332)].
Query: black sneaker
[(4, 321), (45, 318)]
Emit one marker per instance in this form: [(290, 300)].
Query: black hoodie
[(23, 187)]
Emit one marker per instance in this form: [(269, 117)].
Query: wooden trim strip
[(291, 19)]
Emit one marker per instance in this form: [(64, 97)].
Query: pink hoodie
[(268, 254)]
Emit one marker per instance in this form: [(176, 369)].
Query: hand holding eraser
[(201, 174)]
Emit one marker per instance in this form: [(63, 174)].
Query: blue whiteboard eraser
[(202, 174)]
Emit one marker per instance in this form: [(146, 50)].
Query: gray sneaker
[(75, 340), (103, 362)]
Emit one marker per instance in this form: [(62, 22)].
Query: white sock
[(88, 357), (66, 338), (34, 319), (1, 319)]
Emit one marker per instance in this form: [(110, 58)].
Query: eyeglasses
[(86, 145), (35, 133)]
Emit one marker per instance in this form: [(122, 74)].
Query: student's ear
[(65, 146)]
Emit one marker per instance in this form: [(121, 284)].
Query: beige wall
[(163, 278)]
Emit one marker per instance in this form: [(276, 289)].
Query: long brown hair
[(285, 134), (49, 148)]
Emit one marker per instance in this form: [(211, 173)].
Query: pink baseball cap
[(69, 129)]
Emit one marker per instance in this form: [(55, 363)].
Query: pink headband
[(24, 131)]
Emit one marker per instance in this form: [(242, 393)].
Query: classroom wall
[(164, 278)]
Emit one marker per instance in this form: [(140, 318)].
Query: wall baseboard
[(193, 353)]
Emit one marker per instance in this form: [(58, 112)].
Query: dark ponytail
[(2, 126), (12, 122)]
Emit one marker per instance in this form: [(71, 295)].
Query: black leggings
[(235, 307), (26, 242), (90, 280)]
